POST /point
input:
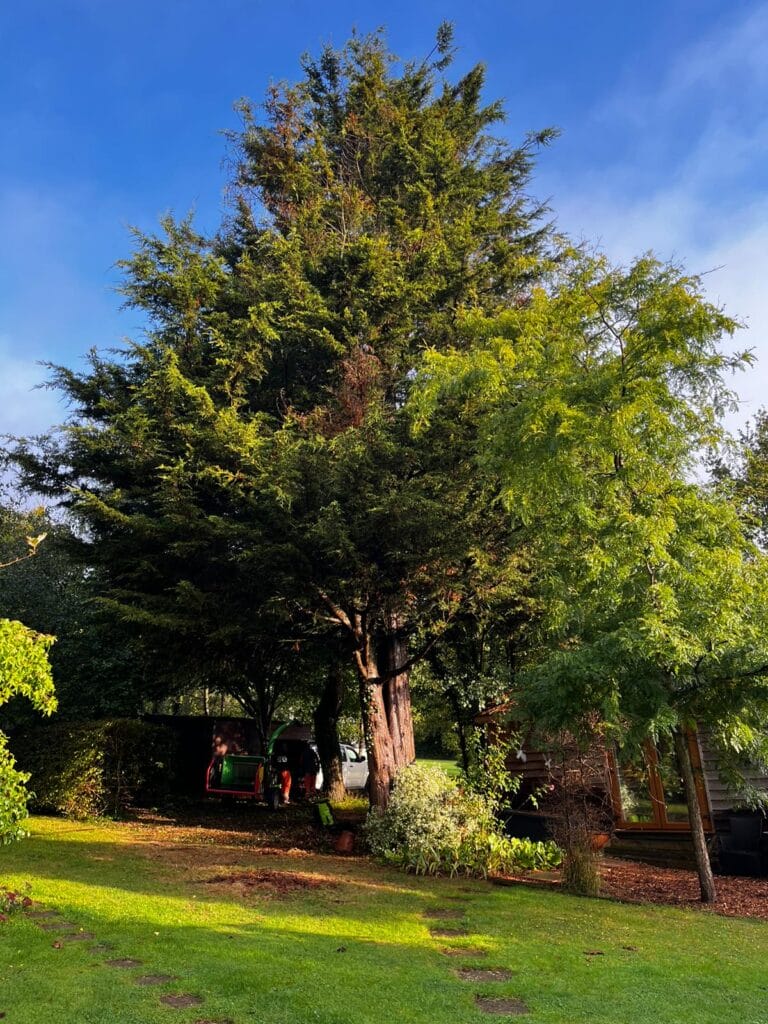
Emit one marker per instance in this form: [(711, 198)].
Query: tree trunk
[(703, 866), (378, 740), (397, 693), (326, 719), (461, 728)]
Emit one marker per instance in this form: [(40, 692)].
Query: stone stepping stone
[(78, 937), (470, 954), (181, 1002), (41, 914), (212, 1020), (125, 962), (479, 974), (447, 933), (502, 1007), (100, 947), (154, 979), (443, 914), (56, 926)]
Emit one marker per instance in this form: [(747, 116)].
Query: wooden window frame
[(656, 790)]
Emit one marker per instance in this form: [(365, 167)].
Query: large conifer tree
[(249, 473)]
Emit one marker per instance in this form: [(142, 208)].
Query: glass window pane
[(637, 804), (671, 781)]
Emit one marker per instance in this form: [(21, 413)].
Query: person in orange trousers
[(284, 773)]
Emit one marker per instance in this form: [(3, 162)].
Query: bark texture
[(385, 696), (703, 866), (397, 693), (386, 709), (326, 721)]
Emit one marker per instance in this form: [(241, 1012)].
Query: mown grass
[(354, 950), (449, 767)]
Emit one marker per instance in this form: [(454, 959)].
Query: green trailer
[(248, 776)]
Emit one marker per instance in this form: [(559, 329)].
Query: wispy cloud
[(702, 200), (25, 407)]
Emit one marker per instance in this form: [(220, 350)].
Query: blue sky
[(111, 114)]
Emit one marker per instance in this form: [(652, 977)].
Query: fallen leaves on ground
[(630, 881)]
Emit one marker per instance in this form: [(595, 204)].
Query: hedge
[(90, 769)]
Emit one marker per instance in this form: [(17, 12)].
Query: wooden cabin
[(644, 794)]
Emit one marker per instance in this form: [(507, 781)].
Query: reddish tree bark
[(385, 699)]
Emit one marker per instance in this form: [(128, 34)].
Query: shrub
[(88, 769), (433, 826), (13, 796)]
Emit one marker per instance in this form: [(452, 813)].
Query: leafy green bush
[(88, 769), (13, 796), (433, 826)]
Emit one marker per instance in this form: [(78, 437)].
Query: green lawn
[(451, 767), (355, 949)]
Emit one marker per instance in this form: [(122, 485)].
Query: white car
[(354, 767)]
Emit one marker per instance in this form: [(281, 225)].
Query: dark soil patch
[(440, 914), (275, 883), (125, 962), (509, 1007), (210, 1020), (181, 1002), (154, 979), (468, 954), (447, 933), (478, 974), (78, 936), (250, 825)]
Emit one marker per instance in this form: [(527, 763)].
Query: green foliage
[(13, 796), (598, 399), (434, 826), (24, 667), (246, 477), (95, 768), (24, 672), (96, 665), (488, 772)]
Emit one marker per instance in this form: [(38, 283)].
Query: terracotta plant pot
[(345, 843), (599, 840)]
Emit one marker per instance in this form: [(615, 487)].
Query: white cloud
[(25, 408), (705, 206)]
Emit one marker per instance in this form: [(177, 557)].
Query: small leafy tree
[(598, 398), (24, 672)]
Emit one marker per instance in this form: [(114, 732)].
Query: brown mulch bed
[(630, 881)]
